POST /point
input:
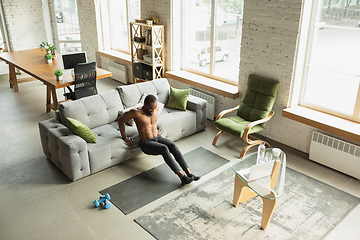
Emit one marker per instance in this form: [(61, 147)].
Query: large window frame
[(311, 21), (181, 51), (68, 45), (106, 26)]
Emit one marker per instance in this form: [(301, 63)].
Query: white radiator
[(335, 153), (210, 114), (119, 72)]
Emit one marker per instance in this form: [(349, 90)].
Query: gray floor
[(39, 202)]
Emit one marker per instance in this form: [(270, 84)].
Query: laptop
[(257, 171)]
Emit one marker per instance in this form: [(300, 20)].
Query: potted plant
[(48, 48), (49, 57), (58, 74)]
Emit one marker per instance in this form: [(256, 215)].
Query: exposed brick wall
[(268, 45), (25, 23), (161, 9), (88, 17)]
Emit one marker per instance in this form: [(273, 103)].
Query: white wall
[(25, 22), (88, 11)]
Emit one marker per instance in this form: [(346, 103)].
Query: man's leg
[(175, 151), (152, 147), (155, 148)]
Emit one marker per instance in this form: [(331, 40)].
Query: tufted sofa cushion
[(93, 111), (175, 124), (130, 94)]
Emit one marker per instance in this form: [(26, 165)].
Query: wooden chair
[(253, 112)]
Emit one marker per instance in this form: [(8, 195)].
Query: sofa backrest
[(131, 94), (93, 111)]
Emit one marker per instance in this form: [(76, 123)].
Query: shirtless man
[(151, 141)]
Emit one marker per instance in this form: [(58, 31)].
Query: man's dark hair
[(150, 99)]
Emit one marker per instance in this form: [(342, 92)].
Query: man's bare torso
[(146, 125)]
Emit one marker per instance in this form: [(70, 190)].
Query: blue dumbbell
[(103, 198)]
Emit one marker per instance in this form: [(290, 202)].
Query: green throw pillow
[(178, 98), (81, 130)]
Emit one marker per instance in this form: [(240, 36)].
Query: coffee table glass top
[(265, 176)]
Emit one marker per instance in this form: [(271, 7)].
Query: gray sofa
[(77, 158)]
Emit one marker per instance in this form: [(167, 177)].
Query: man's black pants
[(165, 147)]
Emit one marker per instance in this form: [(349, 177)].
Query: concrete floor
[(39, 202)]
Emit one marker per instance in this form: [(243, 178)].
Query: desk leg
[(242, 192), (51, 92), (13, 78), (55, 100), (48, 98), (268, 209)]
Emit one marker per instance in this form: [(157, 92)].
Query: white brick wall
[(87, 11), (270, 30), (161, 9), (25, 23)]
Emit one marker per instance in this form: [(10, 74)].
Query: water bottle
[(261, 153)]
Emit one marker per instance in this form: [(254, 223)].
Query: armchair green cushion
[(236, 125)]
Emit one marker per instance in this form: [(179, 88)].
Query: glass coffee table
[(265, 179)]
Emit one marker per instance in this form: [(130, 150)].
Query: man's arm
[(121, 122)]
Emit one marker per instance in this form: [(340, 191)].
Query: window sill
[(329, 123), (116, 56), (207, 84)]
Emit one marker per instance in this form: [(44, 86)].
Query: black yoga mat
[(148, 186)]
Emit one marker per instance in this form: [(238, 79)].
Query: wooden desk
[(33, 63)]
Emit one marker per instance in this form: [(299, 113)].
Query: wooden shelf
[(150, 64), (140, 43), (143, 44), (156, 49)]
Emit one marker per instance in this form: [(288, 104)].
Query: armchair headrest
[(263, 85), (258, 98)]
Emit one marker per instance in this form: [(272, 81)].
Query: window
[(66, 29), (117, 14), (331, 73), (210, 38)]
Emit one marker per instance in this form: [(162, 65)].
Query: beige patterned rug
[(308, 209)]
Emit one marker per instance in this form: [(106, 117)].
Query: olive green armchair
[(252, 113)]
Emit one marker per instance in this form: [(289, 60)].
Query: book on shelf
[(148, 37)]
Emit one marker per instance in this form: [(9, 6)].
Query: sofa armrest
[(199, 106), (65, 149), (57, 116)]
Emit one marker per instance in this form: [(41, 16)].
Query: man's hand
[(128, 141)]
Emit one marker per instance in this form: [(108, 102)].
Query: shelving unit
[(149, 68)]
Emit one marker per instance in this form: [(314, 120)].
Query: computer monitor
[(70, 60)]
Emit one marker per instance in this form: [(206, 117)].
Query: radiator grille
[(119, 72), (210, 114), (336, 144)]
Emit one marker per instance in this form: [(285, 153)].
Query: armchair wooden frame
[(246, 134)]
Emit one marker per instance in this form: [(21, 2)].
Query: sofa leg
[(217, 137)]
